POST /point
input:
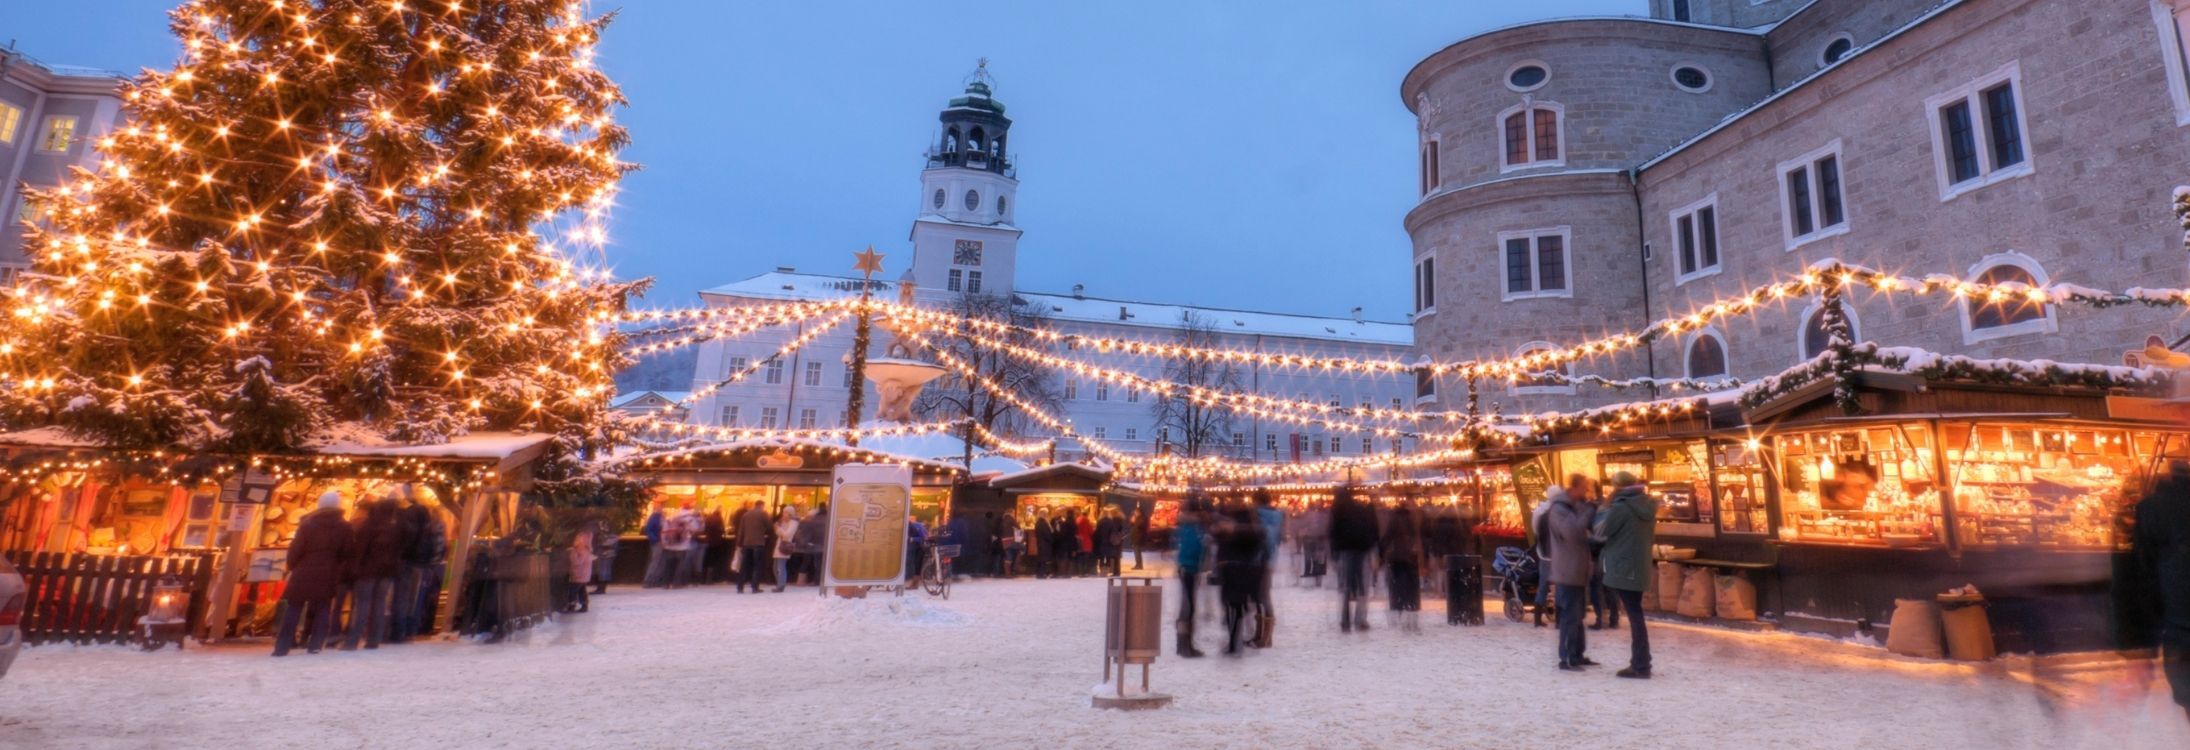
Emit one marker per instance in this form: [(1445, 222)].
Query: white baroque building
[(49, 117), (966, 242)]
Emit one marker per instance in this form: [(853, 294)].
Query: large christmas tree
[(333, 213)]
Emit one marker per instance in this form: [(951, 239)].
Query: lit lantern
[(169, 599)]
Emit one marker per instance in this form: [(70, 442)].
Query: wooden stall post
[(459, 558)]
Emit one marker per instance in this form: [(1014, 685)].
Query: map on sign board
[(868, 509)]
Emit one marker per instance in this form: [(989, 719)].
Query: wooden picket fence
[(81, 598)]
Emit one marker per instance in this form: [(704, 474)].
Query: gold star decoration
[(870, 262)]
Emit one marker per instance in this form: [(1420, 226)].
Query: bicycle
[(935, 569)]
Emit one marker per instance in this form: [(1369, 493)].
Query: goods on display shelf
[(1869, 485), (1743, 486), (2060, 487), (1672, 472)]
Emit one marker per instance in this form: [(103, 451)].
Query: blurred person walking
[(1190, 552), (811, 543), (375, 558), (2152, 589), (751, 541), (425, 552), (581, 569), (314, 562), (1240, 566), (1401, 548), (1272, 522), (680, 533), (1628, 527), (786, 533), (1567, 534), (604, 555), (1353, 535), (657, 559), (1314, 537)]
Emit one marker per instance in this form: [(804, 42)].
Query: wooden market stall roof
[(1068, 476)]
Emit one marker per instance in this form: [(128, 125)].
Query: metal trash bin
[(1133, 624), (1464, 589)]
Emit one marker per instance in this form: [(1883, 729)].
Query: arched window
[(1706, 355), (2005, 312), (1547, 383), (977, 142), (950, 141), (1531, 135), (938, 198), (1815, 339), (1681, 12)]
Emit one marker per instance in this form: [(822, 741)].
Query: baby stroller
[(1518, 578)]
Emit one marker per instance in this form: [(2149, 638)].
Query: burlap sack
[(1650, 593), (1737, 598), (1668, 583), (1698, 593), (1915, 629), (1968, 633)]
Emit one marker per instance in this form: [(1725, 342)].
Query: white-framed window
[(1102, 390), (1811, 202), (1432, 178), (1838, 47), (1338, 445), (1315, 445), (1368, 445), (1239, 440), (1425, 386), (768, 417), (1333, 401), (1535, 263), (1397, 403), (11, 120), (775, 371), (1543, 385), (59, 133), (1695, 230), (1132, 433), (813, 373), (1072, 389), (1101, 433), (1132, 394), (957, 281), (1815, 338), (729, 416), (1530, 134), (734, 365), (2173, 17), (2006, 313), (1705, 356), (807, 418), (1977, 132), (1425, 285), (973, 282), (1269, 442), (1681, 12), (847, 375)]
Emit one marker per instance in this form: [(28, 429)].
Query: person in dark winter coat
[(1240, 564), (315, 575), (1628, 527), (807, 543), (425, 553), (1064, 545), (1038, 545), (1566, 528), (1353, 535), (374, 560), (1401, 548), (711, 559), (753, 528), (2153, 589), (605, 542), (1103, 531)]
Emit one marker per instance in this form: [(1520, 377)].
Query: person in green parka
[(1628, 528)]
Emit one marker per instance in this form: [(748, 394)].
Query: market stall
[(1939, 484)]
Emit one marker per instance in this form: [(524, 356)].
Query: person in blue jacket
[(656, 560), (1191, 550)]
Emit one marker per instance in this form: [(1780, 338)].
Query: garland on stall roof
[(1840, 339)]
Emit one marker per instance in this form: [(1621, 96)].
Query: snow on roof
[(992, 465), (792, 285), (775, 443), (478, 445), (938, 446), (46, 437), (939, 219), (626, 399), (1030, 473)]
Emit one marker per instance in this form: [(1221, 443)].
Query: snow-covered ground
[(1010, 664)]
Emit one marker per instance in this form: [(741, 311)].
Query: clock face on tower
[(967, 253)]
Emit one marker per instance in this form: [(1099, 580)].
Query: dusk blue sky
[(1235, 154)]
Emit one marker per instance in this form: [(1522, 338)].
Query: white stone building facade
[(1589, 176), (50, 115), (964, 241)]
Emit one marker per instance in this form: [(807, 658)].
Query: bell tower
[(964, 241)]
